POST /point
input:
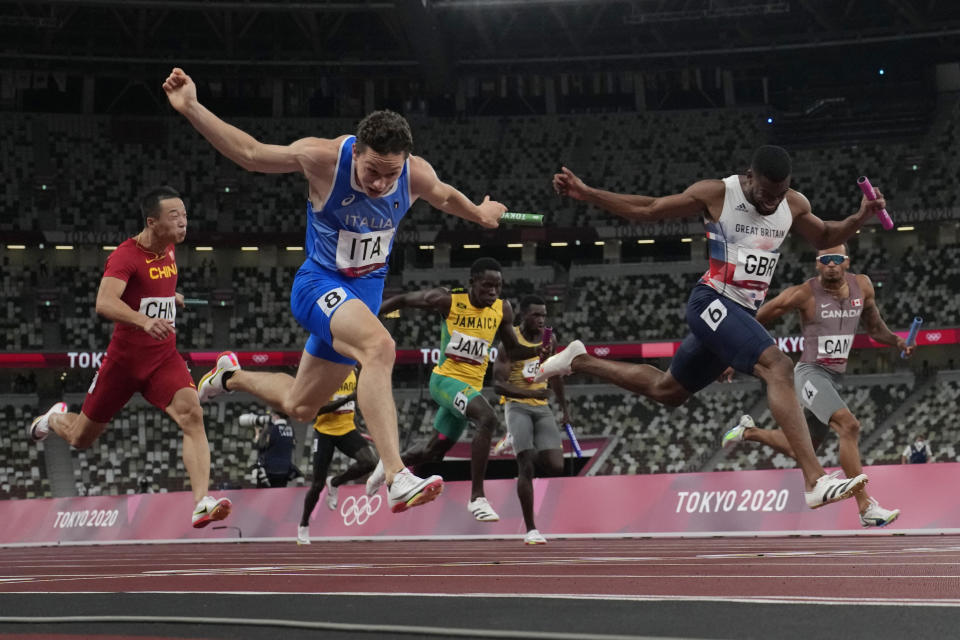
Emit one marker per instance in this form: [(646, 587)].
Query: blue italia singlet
[(349, 239), (352, 233)]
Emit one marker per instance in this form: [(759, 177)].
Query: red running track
[(905, 569)]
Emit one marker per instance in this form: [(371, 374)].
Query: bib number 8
[(332, 299), (714, 314)]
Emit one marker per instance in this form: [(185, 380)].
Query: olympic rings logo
[(359, 510), (260, 358), (934, 336), (601, 351)]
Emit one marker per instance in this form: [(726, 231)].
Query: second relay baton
[(573, 439), (912, 336), (547, 335), (864, 183)]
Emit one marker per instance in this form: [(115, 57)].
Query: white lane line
[(362, 628), (820, 600)]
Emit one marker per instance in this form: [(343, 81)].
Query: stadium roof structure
[(438, 39)]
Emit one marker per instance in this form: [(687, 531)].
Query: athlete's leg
[(526, 471), (186, 412), (449, 423), (365, 461), (547, 441), (76, 428), (434, 449), (549, 463), (772, 438), (358, 334), (458, 404), (776, 369), (847, 428), (300, 396), (111, 388), (322, 455), (170, 387), (481, 414), (775, 439), (535, 464), (644, 379), (520, 426)]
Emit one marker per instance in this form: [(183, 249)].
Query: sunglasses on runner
[(835, 258)]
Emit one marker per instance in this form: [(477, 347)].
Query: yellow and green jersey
[(339, 422), (465, 338), (522, 373)]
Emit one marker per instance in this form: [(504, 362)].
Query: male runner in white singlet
[(746, 218)]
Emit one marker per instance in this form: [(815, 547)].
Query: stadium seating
[(933, 415), (96, 174), (23, 473)]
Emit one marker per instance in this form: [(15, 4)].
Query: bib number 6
[(714, 314)]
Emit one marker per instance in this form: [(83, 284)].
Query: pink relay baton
[(864, 183), (547, 335)]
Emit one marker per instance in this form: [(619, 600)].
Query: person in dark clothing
[(274, 440)]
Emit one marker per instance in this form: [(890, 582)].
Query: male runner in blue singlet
[(746, 219), (359, 189)]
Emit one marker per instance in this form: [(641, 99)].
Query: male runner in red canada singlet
[(138, 293)]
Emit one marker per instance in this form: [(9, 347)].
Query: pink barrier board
[(429, 356), (695, 504)]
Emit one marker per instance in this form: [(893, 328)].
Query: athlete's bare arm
[(425, 184), (110, 306), (315, 158), (508, 338), (703, 198), (793, 298), (438, 299), (872, 320), (823, 234)]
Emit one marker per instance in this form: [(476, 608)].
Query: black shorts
[(325, 445), (722, 334)]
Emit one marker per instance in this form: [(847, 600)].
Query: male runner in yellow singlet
[(530, 420), (472, 320), (335, 428)]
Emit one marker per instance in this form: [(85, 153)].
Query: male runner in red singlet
[(138, 293), (746, 217), (831, 307)]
